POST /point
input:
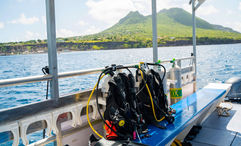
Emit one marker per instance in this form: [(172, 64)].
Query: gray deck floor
[(221, 131)]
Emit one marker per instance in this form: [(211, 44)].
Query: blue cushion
[(187, 110)]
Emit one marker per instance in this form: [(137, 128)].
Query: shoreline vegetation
[(135, 31), (38, 46)]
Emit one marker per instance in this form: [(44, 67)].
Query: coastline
[(43, 50)]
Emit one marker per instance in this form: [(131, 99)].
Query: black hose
[(46, 97), (45, 70), (162, 67)]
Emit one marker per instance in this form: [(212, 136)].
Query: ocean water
[(215, 63)]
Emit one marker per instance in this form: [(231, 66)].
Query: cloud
[(92, 30), (111, 11), (240, 6), (1, 25), (230, 12), (29, 35), (187, 7), (234, 25), (202, 10), (43, 18), (70, 33), (207, 10), (237, 26), (65, 33), (82, 23), (24, 20)]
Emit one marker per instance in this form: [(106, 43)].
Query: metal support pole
[(154, 31), (52, 59), (194, 42), (52, 50)]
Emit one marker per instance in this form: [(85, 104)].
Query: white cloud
[(70, 33), (43, 18), (207, 10), (29, 35), (236, 26), (203, 10), (1, 25), (240, 6), (92, 30), (110, 11), (24, 20), (187, 7), (65, 33), (82, 23), (230, 12)]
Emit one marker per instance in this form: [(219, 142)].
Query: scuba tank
[(162, 74), (153, 99), (105, 85), (176, 87)]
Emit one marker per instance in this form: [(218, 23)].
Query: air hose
[(149, 92), (45, 71), (176, 142), (87, 109)]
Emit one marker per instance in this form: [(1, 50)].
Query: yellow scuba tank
[(176, 86)]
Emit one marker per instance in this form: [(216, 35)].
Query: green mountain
[(172, 24)]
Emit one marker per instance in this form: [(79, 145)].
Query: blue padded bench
[(188, 110)]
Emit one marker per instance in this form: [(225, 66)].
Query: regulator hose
[(87, 109), (162, 67), (45, 71)]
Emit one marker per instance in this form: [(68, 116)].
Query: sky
[(22, 20)]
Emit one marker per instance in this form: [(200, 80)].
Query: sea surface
[(215, 63)]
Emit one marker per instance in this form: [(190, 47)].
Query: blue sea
[(215, 63)]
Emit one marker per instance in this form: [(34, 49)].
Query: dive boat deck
[(221, 131), (190, 111)]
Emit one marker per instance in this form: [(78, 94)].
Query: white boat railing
[(32, 79)]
